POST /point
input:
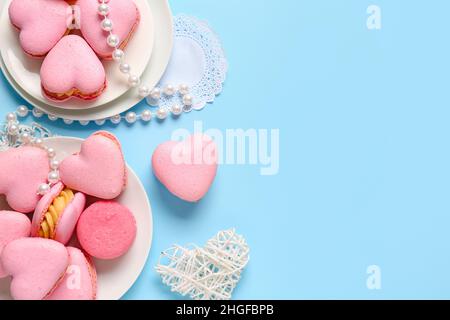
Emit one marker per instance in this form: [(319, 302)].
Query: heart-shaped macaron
[(123, 13), (36, 266), (42, 23), (23, 170), (99, 168), (187, 168), (72, 69), (13, 226), (80, 281)]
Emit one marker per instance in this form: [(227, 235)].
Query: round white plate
[(163, 42), (26, 70), (115, 277)]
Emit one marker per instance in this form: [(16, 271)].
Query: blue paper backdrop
[(364, 160)]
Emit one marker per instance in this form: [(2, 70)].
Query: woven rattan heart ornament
[(208, 273)]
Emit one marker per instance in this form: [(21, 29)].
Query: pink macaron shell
[(43, 206), (36, 266), (125, 16), (68, 221), (106, 230), (116, 141), (42, 23), (72, 64), (85, 288), (187, 168), (23, 169), (13, 226), (99, 168)]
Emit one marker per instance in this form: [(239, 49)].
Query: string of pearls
[(15, 135), (130, 117), (134, 81)]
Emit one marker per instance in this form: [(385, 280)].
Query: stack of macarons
[(33, 252), (72, 65)]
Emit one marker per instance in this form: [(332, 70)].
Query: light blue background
[(364, 176)]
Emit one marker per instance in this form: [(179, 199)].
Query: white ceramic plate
[(115, 277), (163, 42), (25, 70)]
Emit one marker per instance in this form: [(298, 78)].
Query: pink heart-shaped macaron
[(125, 17), (13, 226), (22, 171), (42, 23), (36, 266), (99, 168), (187, 168), (80, 281), (72, 69)]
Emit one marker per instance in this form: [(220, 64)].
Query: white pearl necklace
[(15, 135), (134, 81), (130, 117)]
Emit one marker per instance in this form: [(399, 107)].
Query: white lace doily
[(198, 60)]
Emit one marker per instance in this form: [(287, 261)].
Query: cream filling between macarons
[(47, 229)]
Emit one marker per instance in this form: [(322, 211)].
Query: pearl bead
[(54, 164), (113, 40), (169, 90), (68, 121), (53, 177), (10, 117), (161, 114), (133, 81), (116, 119), (125, 68), (176, 109), (25, 137), (155, 94), (188, 100), (146, 116), (43, 189), (118, 55), (103, 9), (131, 117), (52, 117), (144, 91), (100, 122), (152, 102), (37, 113), (51, 152), (187, 109), (13, 129), (22, 111), (183, 89), (38, 142), (84, 122), (107, 25)]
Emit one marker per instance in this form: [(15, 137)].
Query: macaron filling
[(74, 93), (48, 225)]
